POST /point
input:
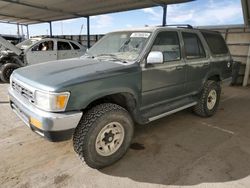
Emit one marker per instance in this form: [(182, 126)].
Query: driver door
[(42, 52), (164, 82)]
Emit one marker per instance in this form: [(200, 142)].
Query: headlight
[(51, 101)]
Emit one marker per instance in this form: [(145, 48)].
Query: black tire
[(91, 124), (6, 70), (202, 108)]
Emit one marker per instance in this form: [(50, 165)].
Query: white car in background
[(33, 51)]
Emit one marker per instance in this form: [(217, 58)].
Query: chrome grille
[(22, 91)]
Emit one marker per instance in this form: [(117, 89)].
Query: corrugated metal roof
[(31, 12)]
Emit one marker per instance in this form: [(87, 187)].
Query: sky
[(196, 13)]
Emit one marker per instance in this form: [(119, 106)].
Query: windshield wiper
[(114, 57)]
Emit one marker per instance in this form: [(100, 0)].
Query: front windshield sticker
[(124, 36), (140, 35)]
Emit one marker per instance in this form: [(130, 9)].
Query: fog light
[(35, 122)]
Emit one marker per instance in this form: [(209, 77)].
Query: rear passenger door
[(77, 50), (197, 61), (64, 50), (163, 82)]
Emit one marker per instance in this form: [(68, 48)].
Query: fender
[(213, 73), (127, 93)]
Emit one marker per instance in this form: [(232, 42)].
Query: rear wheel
[(6, 70), (103, 135), (208, 99)]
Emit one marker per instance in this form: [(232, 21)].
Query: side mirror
[(155, 57)]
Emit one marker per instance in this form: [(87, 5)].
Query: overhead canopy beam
[(21, 18), (13, 23)]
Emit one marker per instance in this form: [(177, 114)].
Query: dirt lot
[(176, 151)]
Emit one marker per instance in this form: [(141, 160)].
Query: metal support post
[(164, 19), (50, 29), (88, 33), (28, 32), (247, 71)]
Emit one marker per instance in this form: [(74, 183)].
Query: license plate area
[(20, 114)]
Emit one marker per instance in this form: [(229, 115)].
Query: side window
[(44, 46), (216, 43), (193, 47), (75, 46), (63, 46), (167, 42)]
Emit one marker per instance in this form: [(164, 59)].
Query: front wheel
[(208, 99), (6, 70), (103, 135)]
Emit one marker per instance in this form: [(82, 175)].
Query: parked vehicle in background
[(13, 39), (33, 51), (137, 75)]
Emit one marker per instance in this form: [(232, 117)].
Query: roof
[(31, 12), (154, 28), (145, 29)]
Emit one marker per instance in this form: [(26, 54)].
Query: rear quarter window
[(216, 43), (63, 46), (75, 46)]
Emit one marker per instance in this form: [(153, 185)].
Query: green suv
[(130, 76)]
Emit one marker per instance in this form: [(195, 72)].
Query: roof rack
[(179, 25)]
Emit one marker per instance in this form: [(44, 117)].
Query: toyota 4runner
[(130, 76)]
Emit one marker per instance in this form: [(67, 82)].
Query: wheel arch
[(126, 100), (15, 59), (213, 75)]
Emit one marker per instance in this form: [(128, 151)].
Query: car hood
[(10, 46), (56, 75)]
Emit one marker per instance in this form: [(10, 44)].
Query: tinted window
[(74, 46), (167, 43), (193, 46), (63, 46), (216, 43)]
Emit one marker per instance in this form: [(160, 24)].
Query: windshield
[(124, 46), (27, 43)]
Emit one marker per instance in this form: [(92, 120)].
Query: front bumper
[(53, 126)]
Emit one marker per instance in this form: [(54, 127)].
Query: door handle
[(206, 64), (179, 67)]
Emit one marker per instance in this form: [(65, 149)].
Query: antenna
[(81, 29)]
